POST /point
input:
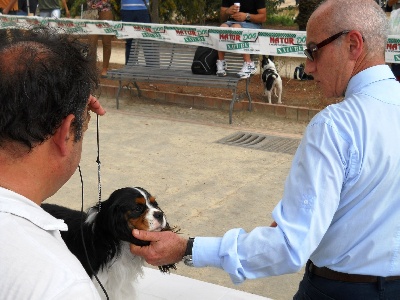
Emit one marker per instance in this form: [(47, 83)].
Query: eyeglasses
[(314, 48)]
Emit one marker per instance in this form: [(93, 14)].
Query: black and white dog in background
[(107, 232), (271, 79)]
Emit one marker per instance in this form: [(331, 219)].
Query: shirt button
[(305, 202)]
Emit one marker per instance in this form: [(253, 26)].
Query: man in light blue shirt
[(340, 209)]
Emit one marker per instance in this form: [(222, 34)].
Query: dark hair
[(44, 76)]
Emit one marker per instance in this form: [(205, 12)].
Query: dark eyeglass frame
[(313, 48)]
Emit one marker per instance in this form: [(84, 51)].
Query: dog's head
[(267, 63), (127, 209)]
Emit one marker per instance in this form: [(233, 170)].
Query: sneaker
[(221, 68), (247, 70)]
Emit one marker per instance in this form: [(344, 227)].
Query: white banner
[(252, 41)]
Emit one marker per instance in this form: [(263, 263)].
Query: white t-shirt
[(35, 262)]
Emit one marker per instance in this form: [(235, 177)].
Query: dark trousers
[(313, 287), (138, 16)]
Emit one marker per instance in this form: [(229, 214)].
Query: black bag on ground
[(205, 61), (299, 73)]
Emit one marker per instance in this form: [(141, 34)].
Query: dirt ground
[(294, 92)]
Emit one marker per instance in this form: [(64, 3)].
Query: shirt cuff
[(206, 252)]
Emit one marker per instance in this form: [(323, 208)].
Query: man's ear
[(356, 44), (64, 134)]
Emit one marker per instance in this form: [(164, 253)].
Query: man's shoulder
[(30, 252)]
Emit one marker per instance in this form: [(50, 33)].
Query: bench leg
[(118, 92), (139, 91), (231, 106), (129, 87), (248, 93)]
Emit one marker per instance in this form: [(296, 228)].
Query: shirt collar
[(18, 205), (368, 76)]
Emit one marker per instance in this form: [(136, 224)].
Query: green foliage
[(191, 12), (197, 12), (285, 17), (280, 20), (166, 10), (75, 7), (272, 7), (116, 8)]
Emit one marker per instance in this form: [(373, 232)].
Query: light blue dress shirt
[(341, 202)]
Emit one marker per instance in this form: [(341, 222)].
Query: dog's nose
[(158, 215)]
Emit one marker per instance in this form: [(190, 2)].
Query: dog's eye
[(137, 209)]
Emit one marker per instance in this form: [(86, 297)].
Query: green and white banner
[(252, 41)]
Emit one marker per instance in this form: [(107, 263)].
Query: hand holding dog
[(165, 247)]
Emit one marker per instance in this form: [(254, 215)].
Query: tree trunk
[(155, 18), (306, 8)]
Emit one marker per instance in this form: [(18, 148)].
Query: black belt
[(324, 272)]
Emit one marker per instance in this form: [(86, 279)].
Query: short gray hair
[(365, 16)]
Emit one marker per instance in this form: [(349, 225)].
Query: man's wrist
[(248, 17), (189, 247), (187, 257)]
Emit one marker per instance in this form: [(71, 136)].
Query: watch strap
[(189, 247), (187, 258)]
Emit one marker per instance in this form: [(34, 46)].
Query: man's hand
[(95, 106), (239, 16), (165, 248)]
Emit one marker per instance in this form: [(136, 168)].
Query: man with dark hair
[(46, 80), (339, 213)]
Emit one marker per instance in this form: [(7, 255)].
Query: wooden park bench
[(170, 63)]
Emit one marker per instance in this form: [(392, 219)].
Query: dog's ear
[(271, 58), (264, 60), (92, 214)]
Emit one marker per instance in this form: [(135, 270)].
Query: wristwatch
[(247, 17), (187, 258)]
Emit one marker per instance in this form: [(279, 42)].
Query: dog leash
[(98, 163), (99, 204)]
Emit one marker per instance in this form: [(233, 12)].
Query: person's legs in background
[(45, 13), (92, 41), (221, 63), (106, 41), (56, 13), (50, 13), (138, 16), (248, 66)]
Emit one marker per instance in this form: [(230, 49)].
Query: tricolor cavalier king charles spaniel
[(107, 231)]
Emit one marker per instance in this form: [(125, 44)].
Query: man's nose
[(310, 66)]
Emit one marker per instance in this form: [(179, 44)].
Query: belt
[(338, 276)]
